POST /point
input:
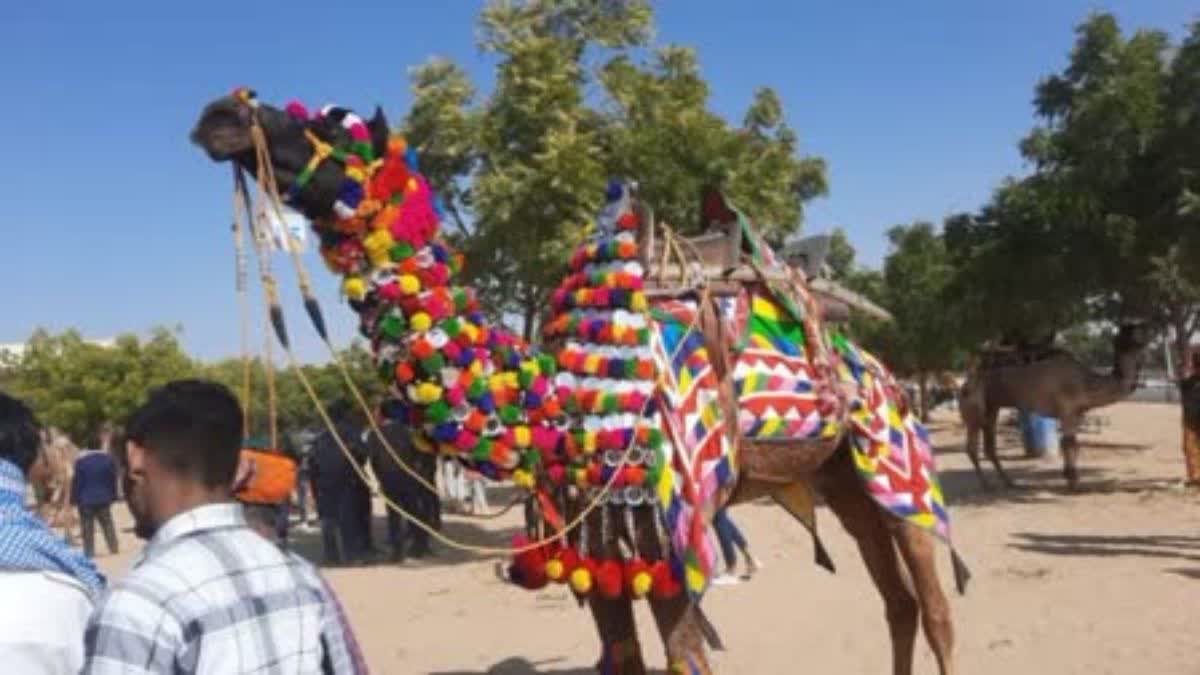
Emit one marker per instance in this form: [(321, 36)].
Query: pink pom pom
[(557, 473), (540, 385), (390, 292), (359, 132), (466, 440), (297, 111), (545, 438), (456, 396)]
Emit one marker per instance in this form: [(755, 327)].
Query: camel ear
[(380, 132)]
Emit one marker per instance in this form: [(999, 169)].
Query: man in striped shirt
[(208, 594)]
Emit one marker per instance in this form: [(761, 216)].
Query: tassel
[(962, 575)]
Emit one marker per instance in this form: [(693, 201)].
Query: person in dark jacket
[(340, 492), (401, 487), (93, 491)]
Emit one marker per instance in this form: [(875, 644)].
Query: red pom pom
[(609, 579), (665, 585), (528, 569)]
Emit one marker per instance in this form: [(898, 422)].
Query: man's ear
[(135, 458)]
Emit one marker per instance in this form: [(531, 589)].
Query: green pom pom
[(530, 459), (438, 411), (510, 415), (609, 403), (482, 451), (392, 326), (433, 364), (643, 336), (401, 251), (525, 377), (460, 299), (655, 438), (478, 388), (571, 405), (547, 365), (630, 367), (451, 327)]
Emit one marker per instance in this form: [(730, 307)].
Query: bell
[(634, 495)]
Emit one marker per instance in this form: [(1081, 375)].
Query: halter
[(359, 162)]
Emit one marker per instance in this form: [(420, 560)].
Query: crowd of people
[(216, 568)]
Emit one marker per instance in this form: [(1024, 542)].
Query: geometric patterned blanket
[(890, 445), (773, 375), (699, 449)]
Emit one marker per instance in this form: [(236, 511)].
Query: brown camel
[(785, 471), (50, 477), (1052, 383)]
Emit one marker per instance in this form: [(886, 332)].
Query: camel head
[(1128, 347), (224, 131)]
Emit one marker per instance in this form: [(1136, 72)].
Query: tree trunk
[(923, 384), (529, 320)]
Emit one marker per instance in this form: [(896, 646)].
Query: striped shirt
[(209, 596)]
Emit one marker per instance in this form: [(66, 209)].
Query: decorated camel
[(1050, 382), (665, 389)]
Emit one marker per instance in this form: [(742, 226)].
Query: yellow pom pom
[(409, 284), (422, 444), (554, 570), (589, 441), (412, 185), (637, 301), (591, 364), (640, 585), (428, 392), (581, 580), (522, 479), (354, 288), (420, 321), (522, 437), (511, 381)]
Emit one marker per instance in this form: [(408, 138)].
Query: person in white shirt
[(47, 589)]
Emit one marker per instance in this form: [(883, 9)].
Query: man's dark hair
[(19, 433), (194, 428)]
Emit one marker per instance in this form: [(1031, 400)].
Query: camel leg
[(681, 635), (620, 652), (973, 434), (864, 520), (918, 547), (1070, 451), (989, 446)]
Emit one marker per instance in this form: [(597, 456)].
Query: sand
[(1106, 581)]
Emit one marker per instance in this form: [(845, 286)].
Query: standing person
[(46, 587), (339, 490), (207, 596), (93, 491), (731, 539)]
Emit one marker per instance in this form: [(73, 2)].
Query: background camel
[(1052, 383), (50, 477), (783, 470)]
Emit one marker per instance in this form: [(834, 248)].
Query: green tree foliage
[(523, 170), (1105, 226), (78, 386)]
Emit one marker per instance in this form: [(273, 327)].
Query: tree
[(77, 386), (1114, 152), (841, 255), (924, 337), (524, 170)]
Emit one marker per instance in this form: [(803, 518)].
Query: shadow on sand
[(1174, 547), (520, 666)]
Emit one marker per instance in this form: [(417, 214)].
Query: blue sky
[(113, 222)]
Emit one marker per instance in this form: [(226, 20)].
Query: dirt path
[(1107, 581)]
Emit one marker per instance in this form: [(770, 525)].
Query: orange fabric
[(270, 478)]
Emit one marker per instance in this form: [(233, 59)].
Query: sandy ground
[(1107, 581)]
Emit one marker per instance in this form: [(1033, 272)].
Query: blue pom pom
[(488, 470), (446, 432), (486, 403), (394, 409), (614, 191), (532, 401), (351, 192), (439, 252), (616, 368), (410, 158), (439, 208)]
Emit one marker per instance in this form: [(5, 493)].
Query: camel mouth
[(222, 133)]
